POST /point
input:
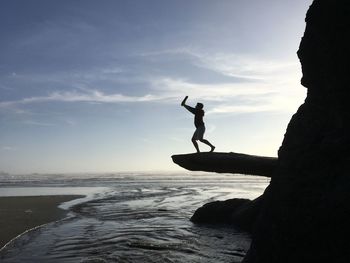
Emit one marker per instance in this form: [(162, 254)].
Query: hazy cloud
[(78, 96), (37, 123), (8, 148)]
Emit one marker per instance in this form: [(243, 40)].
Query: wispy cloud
[(246, 66), (272, 84), (237, 109), (37, 123), (228, 97), (231, 64), (8, 148), (272, 103), (210, 92), (76, 96), (3, 87), (70, 122)]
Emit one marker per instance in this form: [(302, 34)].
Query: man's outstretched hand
[(184, 101)]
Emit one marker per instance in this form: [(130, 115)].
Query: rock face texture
[(303, 214), (241, 213), (227, 163), (305, 211)]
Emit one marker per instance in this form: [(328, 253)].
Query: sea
[(131, 217)]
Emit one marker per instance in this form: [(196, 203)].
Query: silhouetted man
[(198, 122)]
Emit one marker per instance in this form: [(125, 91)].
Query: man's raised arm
[(189, 108)]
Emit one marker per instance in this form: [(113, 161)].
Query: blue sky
[(95, 86)]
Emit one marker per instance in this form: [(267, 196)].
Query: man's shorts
[(199, 133)]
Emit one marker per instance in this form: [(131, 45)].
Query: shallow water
[(134, 218)]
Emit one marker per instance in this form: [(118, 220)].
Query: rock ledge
[(227, 163)]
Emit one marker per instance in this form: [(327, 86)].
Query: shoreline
[(19, 214)]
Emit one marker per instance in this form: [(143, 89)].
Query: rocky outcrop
[(304, 216), (238, 212), (227, 163), (241, 213)]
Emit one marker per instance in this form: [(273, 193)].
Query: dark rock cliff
[(304, 215)]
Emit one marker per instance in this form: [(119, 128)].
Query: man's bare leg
[(195, 144), (208, 143)]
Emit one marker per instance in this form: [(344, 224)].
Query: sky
[(96, 86)]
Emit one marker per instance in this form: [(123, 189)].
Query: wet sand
[(18, 214)]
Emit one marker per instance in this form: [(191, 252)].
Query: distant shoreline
[(21, 213)]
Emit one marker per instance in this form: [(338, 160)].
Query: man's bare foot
[(212, 149)]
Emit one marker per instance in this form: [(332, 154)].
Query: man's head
[(199, 105)]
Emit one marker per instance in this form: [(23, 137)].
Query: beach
[(21, 213), (136, 217)]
